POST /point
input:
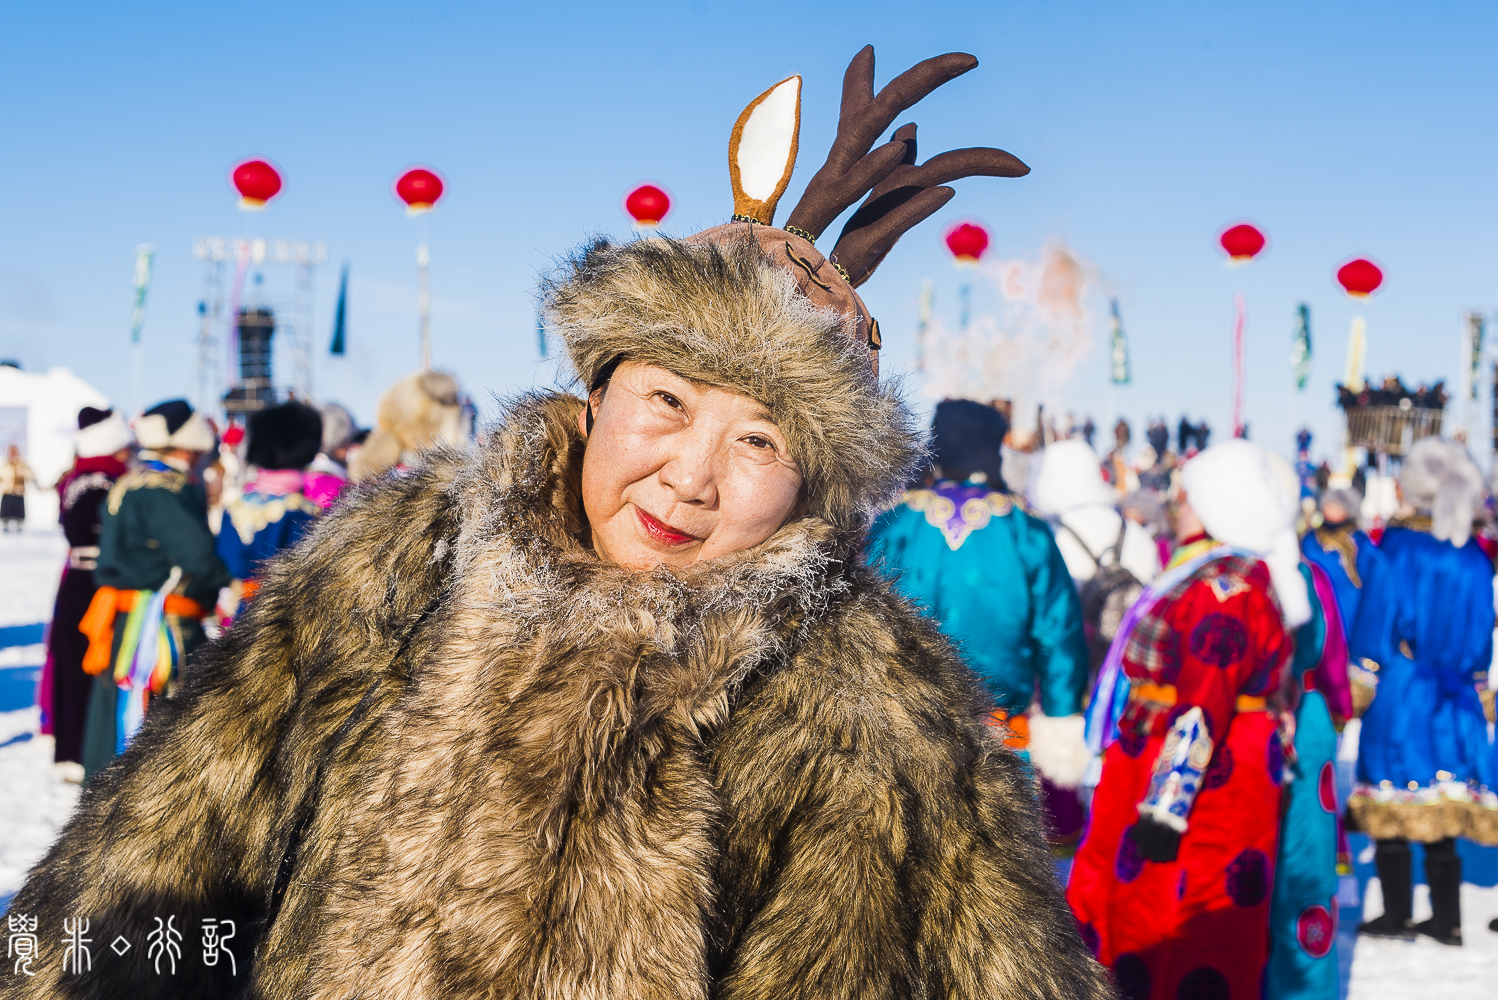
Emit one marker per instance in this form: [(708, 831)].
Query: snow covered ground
[(1385, 970), (34, 804), (34, 801)]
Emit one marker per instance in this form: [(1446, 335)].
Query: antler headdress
[(760, 311), (898, 193)]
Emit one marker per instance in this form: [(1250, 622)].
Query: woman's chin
[(639, 553)]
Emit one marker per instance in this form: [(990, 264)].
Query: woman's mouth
[(662, 532)]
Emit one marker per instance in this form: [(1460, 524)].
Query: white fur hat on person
[(1439, 476), (100, 433), (1071, 475), (174, 424), (1249, 498), (337, 427)]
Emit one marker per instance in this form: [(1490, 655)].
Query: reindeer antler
[(852, 169), (909, 195)]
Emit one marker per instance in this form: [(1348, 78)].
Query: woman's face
[(677, 472)]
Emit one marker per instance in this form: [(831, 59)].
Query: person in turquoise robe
[(1303, 910), (989, 572)]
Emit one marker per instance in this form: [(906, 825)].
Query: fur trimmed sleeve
[(190, 822), (878, 842)]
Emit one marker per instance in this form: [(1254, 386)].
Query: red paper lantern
[(647, 205), (257, 183), (1360, 277), (419, 188), (967, 242), (1242, 242)]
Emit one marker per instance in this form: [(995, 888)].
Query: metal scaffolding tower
[(267, 286)]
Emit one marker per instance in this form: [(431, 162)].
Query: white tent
[(39, 414)]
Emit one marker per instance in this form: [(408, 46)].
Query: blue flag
[(340, 316)]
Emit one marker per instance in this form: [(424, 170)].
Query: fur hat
[(760, 310), (1440, 477), (100, 433), (1345, 497), (337, 427), (285, 436), (173, 424), (1249, 498), (1147, 503), (966, 437), (724, 315), (1071, 475), (416, 412)]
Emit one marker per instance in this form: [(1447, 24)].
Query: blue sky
[(1342, 129)]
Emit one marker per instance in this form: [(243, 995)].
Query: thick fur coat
[(448, 752), (764, 778)]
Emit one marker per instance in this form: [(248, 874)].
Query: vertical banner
[(541, 335), (1300, 348), (145, 256), (1476, 333), (1240, 319), (424, 304), (1495, 407), (340, 316), (1119, 351), (1357, 345), (925, 324)]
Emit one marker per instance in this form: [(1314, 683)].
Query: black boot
[(1443, 871), (1392, 859)]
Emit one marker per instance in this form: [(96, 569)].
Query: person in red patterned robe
[(1172, 883)]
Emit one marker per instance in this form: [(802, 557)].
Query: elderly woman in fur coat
[(611, 708)]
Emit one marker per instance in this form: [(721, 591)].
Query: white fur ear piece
[(1058, 748), (762, 150)]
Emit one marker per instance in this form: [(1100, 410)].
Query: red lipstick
[(662, 532)]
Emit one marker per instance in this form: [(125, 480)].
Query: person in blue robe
[(1424, 758), (1355, 565), (272, 513), (989, 572)]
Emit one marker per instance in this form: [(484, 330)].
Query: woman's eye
[(670, 400), (758, 442)]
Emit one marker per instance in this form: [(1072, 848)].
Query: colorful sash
[(150, 647)]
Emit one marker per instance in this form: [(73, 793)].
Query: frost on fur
[(725, 316)]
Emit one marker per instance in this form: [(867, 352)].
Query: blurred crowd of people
[(1178, 640), (1175, 639), (170, 521)]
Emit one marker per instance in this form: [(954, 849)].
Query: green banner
[(144, 256), (1119, 354), (1300, 348)]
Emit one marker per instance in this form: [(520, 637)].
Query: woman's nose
[(691, 474)]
